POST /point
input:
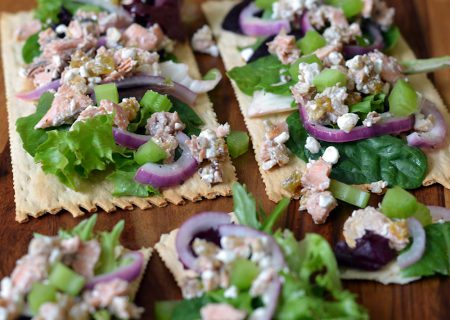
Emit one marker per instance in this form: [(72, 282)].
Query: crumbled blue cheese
[(113, 36), (347, 121), (312, 145), (247, 53), (377, 187), (331, 155)]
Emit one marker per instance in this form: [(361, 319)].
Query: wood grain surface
[(426, 26)]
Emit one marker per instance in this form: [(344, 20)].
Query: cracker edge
[(437, 161), (196, 191)]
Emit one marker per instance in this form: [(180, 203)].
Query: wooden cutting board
[(426, 26)]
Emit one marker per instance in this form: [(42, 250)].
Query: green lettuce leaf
[(436, 259), (84, 230), (391, 38), (47, 10), (32, 138), (262, 74), (123, 179), (31, 49), (73, 155), (108, 243), (245, 207), (368, 104), (312, 288), (385, 158)]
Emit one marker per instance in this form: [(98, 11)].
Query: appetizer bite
[(400, 241), (328, 90), (122, 117), (244, 270), (78, 274), (233, 266)]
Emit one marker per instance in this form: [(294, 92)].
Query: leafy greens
[(384, 158), (436, 259), (262, 74)]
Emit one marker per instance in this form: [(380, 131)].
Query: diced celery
[(403, 100), (102, 315), (243, 272), (107, 91), (66, 280), (423, 214), (149, 152), (329, 78), (351, 8), (312, 58), (40, 294), (237, 142), (398, 203), (155, 102), (349, 194), (311, 42), (89, 8)]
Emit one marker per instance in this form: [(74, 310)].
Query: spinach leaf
[(32, 138), (436, 259), (48, 10), (385, 158), (391, 38), (188, 116), (31, 49), (262, 74)]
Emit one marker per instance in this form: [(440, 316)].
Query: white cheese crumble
[(347, 121), (231, 292), (247, 53), (113, 36), (377, 187), (326, 200), (312, 145), (331, 155)]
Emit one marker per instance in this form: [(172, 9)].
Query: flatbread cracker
[(134, 286), (37, 193), (390, 274), (228, 43), (168, 253)]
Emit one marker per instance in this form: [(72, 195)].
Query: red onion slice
[(389, 126), (160, 85), (351, 51), (305, 23), (271, 299), (179, 73), (200, 223), (167, 175), (127, 273), (227, 230), (254, 26), (417, 249), (38, 92), (128, 139), (435, 138), (439, 213)]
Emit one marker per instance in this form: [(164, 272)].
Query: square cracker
[(228, 42), (37, 193)]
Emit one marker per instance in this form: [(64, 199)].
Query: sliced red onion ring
[(439, 213), (389, 126), (128, 273), (435, 138), (305, 23), (38, 92), (417, 249), (254, 26), (167, 175), (351, 51), (128, 139), (101, 42), (179, 73), (160, 85), (270, 299), (200, 223), (227, 230)]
